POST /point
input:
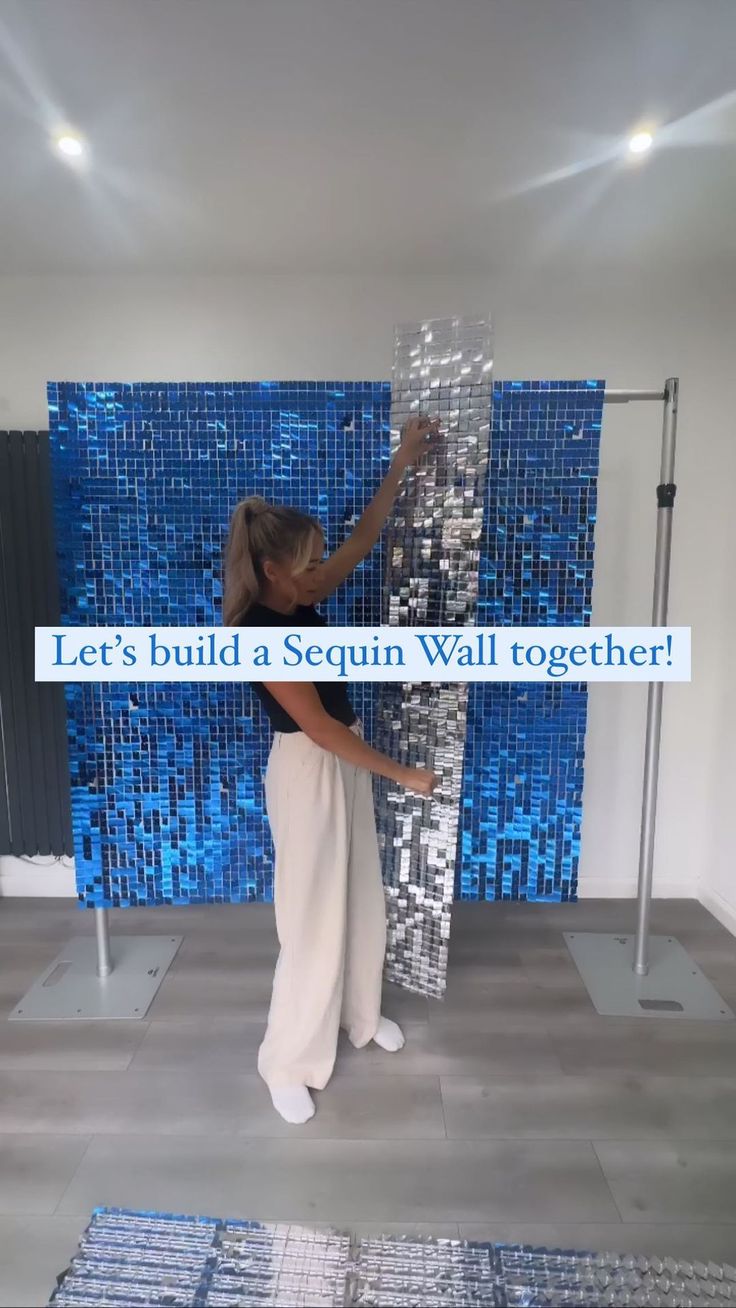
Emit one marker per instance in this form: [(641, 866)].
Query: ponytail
[(258, 531)]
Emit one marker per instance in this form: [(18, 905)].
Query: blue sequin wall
[(167, 799), (525, 744)]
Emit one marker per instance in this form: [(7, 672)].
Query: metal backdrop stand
[(90, 981), (625, 975), (649, 976), (102, 927)]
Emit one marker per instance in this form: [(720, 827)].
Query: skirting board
[(30, 880), (24, 879), (21, 879), (626, 888), (724, 912)]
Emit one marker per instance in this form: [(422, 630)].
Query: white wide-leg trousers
[(330, 910)]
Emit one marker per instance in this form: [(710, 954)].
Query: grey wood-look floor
[(514, 1112)]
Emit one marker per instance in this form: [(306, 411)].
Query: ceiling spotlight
[(641, 142), (70, 146)]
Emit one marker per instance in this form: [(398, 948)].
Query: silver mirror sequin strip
[(156, 1259), (443, 367)]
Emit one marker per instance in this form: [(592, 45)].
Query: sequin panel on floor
[(132, 1258)]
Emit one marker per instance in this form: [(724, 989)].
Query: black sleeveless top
[(333, 694)]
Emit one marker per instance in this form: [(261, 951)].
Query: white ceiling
[(362, 135)]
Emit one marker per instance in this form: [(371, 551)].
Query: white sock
[(389, 1036), (293, 1102)]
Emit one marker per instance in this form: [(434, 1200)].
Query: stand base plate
[(675, 986), (71, 991)]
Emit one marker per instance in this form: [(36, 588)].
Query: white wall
[(630, 331)]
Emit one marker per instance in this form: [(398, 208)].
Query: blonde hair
[(259, 531)]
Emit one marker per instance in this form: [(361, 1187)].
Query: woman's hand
[(419, 434), (419, 779)]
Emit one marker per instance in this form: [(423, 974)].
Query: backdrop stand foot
[(674, 985), (645, 976), (72, 989)]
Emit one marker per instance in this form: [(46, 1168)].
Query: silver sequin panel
[(442, 367), (158, 1259)]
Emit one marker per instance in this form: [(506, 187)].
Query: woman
[(329, 898)]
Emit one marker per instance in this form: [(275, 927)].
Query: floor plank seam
[(606, 1182), (72, 1179), (442, 1105)]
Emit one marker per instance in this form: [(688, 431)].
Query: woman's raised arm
[(419, 435)]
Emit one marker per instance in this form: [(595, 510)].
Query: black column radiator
[(35, 809)]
